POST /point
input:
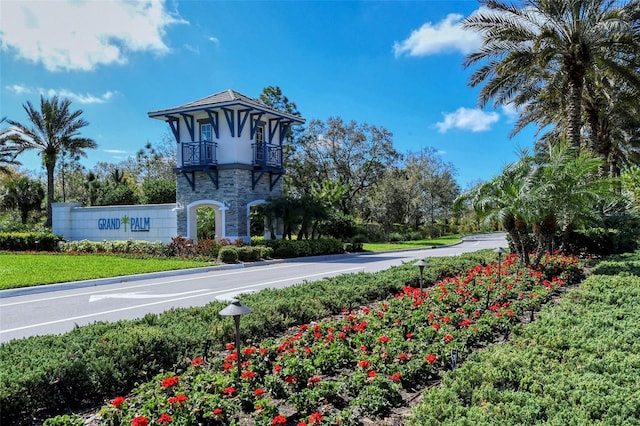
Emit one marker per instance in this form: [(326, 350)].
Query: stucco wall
[(149, 222)]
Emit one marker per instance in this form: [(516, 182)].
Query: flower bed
[(355, 366)]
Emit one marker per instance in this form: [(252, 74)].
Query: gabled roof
[(226, 98)]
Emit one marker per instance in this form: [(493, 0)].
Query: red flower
[(396, 377), (230, 346), (383, 339), (315, 418), (301, 424), (229, 391), (170, 382), (431, 358), (258, 392), (279, 420), (248, 375), (314, 379), (117, 402), (217, 411), (165, 419), (371, 373), (448, 338), (140, 421), (291, 379), (197, 362), (409, 336), (277, 368), (436, 326), (227, 366), (249, 351), (177, 399), (364, 364)]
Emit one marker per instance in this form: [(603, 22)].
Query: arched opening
[(206, 210), (255, 221), (206, 223)]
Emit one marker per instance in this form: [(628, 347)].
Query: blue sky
[(393, 64)]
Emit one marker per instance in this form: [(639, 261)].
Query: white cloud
[(81, 35), (191, 48), (474, 120), (115, 151), (214, 40), (511, 111), (432, 38), (63, 93)]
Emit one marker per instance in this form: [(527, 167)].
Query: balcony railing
[(199, 153), (269, 155)]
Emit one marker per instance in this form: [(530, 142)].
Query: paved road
[(58, 308)]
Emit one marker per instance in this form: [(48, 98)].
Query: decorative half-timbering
[(229, 157)]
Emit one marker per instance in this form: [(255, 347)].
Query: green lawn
[(32, 269), (449, 239)]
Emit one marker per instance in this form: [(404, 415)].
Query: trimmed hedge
[(17, 241), (44, 375), (301, 248)]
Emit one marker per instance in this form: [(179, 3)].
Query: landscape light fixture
[(421, 264), (236, 310)]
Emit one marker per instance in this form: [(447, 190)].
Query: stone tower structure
[(229, 157)]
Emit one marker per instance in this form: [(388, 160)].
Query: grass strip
[(449, 239), (33, 269)]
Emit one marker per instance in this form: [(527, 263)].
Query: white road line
[(142, 295), (180, 298)]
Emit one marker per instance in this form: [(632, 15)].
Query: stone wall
[(230, 199)]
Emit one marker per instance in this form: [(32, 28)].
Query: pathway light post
[(499, 250), (421, 264), (236, 310)]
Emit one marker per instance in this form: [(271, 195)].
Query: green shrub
[(395, 237), (300, 248), (18, 241), (228, 254), (249, 253), (375, 232)]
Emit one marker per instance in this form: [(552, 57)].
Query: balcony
[(267, 155), (199, 153)]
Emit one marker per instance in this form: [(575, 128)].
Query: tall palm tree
[(531, 45), (8, 150), (52, 130)]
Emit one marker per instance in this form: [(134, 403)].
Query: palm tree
[(8, 150), (53, 130), (534, 45), (505, 200), (564, 193)]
